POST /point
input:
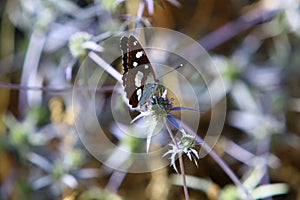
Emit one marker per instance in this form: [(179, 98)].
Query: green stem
[(182, 171)]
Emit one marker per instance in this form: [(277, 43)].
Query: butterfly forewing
[(124, 51), (137, 68)]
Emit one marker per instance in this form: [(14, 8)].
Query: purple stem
[(235, 27), (13, 86), (220, 162)]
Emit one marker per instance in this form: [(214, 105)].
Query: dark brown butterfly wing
[(137, 69), (124, 51)]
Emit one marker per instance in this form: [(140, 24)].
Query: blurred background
[(255, 45)]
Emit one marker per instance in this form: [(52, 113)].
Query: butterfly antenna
[(179, 66)]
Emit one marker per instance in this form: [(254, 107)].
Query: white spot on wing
[(138, 79), (135, 43), (139, 93), (135, 64), (146, 66), (139, 54)]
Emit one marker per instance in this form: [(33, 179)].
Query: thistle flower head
[(185, 145), (76, 43), (160, 106)]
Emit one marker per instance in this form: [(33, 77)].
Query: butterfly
[(139, 79)]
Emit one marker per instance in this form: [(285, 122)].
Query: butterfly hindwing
[(138, 70)]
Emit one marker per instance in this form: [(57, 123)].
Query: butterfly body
[(139, 79)]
